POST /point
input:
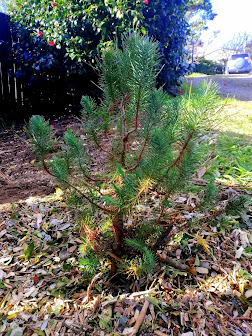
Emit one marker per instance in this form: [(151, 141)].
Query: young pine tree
[(151, 143)]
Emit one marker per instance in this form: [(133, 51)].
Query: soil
[(20, 177), (20, 174), (238, 86)]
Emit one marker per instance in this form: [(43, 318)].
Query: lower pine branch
[(97, 205)]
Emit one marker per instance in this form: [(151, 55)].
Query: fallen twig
[(96, 277), (176, 264), (129, 296), (243, 318), (159, 333), (141, 317), (75, 328), (228, 316), (114, 256)]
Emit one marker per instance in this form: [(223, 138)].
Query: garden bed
[(43, 291)]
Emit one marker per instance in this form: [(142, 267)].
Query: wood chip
[(201, 270), (248, 293)]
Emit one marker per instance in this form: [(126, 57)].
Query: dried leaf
[(105, 317), (128, 331), (203, 243), (201, 172), (17, 332), (31, 292), (248, 293), (35, 279), (44, 325), (72, 249), (2, 274), (202, 270), (39, 219), (239, 252), (197, 261)]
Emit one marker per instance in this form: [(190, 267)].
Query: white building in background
[(220, 55)]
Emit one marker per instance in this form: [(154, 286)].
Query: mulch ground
[(206, 289), (43, 291)]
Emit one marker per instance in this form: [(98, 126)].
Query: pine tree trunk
[(119, 236)]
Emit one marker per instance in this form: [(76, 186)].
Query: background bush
[(69, 35), (208, 67)]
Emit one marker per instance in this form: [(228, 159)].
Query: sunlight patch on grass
[(237, 117), (195, 75), (234, 146)]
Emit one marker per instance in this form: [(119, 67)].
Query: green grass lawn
[(195, 74), (237, 117), (233, 148)]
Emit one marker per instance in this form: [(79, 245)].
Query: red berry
[(51, 43), (146, 2)]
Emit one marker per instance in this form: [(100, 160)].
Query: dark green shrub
[(208, 67), (69, 35)]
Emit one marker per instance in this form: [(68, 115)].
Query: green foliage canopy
[(199, 12), (71, 34)]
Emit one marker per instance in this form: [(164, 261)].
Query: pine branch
[(124, 138), (97, 205), (177, 161), (138, 105), (136, 115), (106, 209), (130, 169), (45, 166)]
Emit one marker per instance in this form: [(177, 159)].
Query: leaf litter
[(202, 285)]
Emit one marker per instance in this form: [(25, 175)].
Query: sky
[(2, 6), (233, 16)]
